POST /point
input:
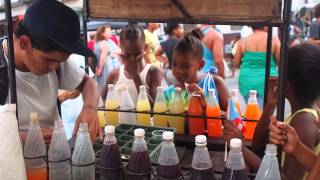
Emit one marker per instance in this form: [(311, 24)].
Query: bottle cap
[(109, 129), (167, 135), (201, 140), (253, 93), (110, 86), (142, 88), (34, 118), (139, 132), (271, 149), (235, 143), (234, 92), (177, 89), (83, 127), (160, 89)]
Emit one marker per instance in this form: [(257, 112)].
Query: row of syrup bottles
[(59, 154), (143, 105)]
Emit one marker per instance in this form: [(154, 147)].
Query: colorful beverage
[(160, 120), (143, 105), (213, 110), (37, 173), (112, 103), (111, 163), (207, 174), (252, 113), (102, 118), (196, 125), (234, 96), (112, 118), (139, 166), (169, 171), (177, 107)]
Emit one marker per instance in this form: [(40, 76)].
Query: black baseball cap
[(56, 21)]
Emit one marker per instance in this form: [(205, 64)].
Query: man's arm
[(217, 50), (90, 94)]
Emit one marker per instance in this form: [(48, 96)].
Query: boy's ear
[(25, 42), (201, 64)]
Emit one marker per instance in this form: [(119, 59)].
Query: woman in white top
[(134, 72)]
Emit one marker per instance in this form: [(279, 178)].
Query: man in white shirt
[(49, 33)]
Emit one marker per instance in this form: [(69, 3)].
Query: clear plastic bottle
[(269, 168), (201, 163), (139, 165), (168, 162), (213, 110), (83, 158), (160, 106), (59, 154), (110, 161), (35, 151), (127, 104), (11, 155), (112, 103), (235, 166), (252, 113), (143, 105), (177, 107)]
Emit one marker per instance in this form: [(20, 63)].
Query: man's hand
[(230, 131), (89, 115)]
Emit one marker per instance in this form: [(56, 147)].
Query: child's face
[(132, 50), (185, 67)]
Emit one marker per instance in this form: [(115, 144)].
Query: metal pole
[(11, 69), (85, 34), (283, 59), (268, 63)]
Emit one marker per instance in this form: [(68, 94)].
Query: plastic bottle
[(127, 104), (235, 167), (196, 125), (35, 151), (213, 110), (83, 158), (235, 97), (269, 168), (139, 165), (143, 105), (11, 155), (168, 162), (112, 103), (177, 107), (110, 160), (160, 106), (201, 163), (59, 154), (252, 113)]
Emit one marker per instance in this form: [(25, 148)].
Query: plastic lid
[(110, 86), (177, 89), (253, 93), (201, 140), (159, 89), (271, 148), (139, 132), (142, 87), (234, 92), (235, 143), (34, 118), (167, 135), (213, 70), (109, 129)]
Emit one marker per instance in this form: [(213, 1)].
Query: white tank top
[(125, 83)]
